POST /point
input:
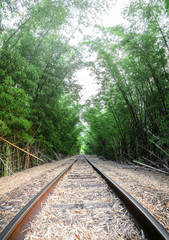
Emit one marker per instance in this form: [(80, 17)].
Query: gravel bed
[(24, 186), (149, 188), (83, 207)]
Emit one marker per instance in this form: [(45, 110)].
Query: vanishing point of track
[(143, 219)]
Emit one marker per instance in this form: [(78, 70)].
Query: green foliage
[(14, 105), (132, 105), (167, 4), (38, 99)]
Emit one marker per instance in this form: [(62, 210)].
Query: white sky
[(114, 17), (88, 83), (83, 77)]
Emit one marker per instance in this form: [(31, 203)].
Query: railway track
[(83, 206), (24, 189)]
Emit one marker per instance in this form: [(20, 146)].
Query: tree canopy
[(129, 118), (39, 98)]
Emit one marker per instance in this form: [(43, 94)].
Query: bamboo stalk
[(20, 148), (159, 148), (28, 158), (152, 154), (148, 166), (150, 161), (6, 165)]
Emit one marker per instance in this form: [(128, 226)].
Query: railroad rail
[(14, 230), (144, 220)]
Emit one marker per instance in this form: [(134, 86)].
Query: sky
[(88, 83), (83, 76)]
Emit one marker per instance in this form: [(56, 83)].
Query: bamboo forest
[(41, 114)]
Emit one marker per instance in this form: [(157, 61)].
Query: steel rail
[(15, 229), (143, 219)]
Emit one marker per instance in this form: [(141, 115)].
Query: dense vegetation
[(129, 119), (39, 100)]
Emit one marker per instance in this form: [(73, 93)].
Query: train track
[(15, 195), (75, 194)]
